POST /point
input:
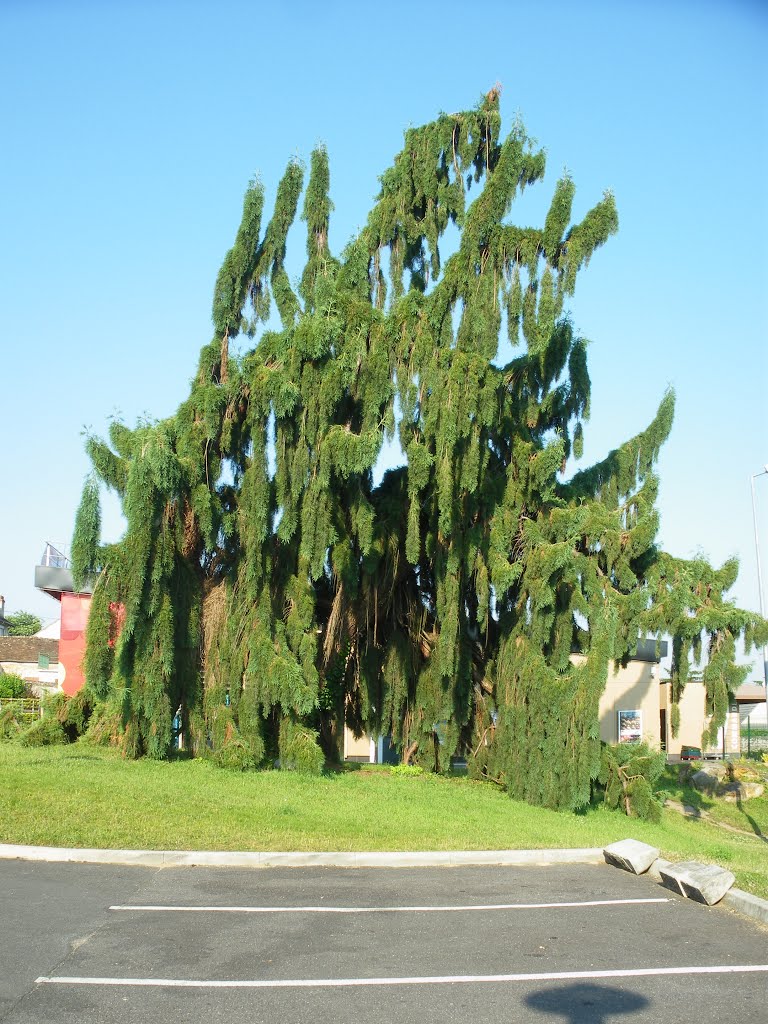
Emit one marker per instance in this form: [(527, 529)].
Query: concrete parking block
[(631, 855), (705, 883)]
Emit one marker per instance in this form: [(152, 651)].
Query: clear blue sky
[(131, 130)]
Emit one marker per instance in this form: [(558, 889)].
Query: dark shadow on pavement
[(585, 1002)]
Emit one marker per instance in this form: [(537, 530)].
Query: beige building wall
[(693, 720), (362, 749), (633, 688), (692, 704)]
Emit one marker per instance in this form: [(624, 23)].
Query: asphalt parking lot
[(97, 943)]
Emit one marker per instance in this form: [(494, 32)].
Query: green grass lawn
[(84, 796)]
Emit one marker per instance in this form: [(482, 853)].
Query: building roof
[(26, 649), (747, 693), (750, 693), (50, 631), (649, 649)]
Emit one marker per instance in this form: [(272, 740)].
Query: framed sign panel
[(630, 726)]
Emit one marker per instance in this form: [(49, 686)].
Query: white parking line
[(449, 979), (384, 910)]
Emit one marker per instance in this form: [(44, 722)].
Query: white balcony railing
[(54, 558)]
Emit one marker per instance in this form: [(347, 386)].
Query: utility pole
[(752, 479)]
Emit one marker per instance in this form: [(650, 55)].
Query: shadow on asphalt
[(585, 1002)]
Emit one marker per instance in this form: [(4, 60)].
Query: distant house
[(35, 659)]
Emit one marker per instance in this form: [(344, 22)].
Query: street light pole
[(752, 479)]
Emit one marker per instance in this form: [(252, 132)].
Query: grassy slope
[(749, 815), (87, 797)]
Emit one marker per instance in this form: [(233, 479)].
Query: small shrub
[(75, 712), (105, 725), (299, 749), (53, 704), (195, 739), (12, 687), (406, 770), (130, 739), (235, 755), (628, 772), (10, 727), (48, 732), (226, 747)]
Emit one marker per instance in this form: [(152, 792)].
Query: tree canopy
[(22, 624), (268, 589)]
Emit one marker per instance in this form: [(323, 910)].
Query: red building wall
[(74, 617)]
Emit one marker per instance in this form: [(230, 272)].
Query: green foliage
[(85, 541), (10, 723), (11, 686), (75, 713), (22, 624), (473, 601), (105, 725), (299, 749), (54, 704), (628, 773), (47, 732), (17, 710), (406, 770), (675, 717), (235, 755), (688, 599)]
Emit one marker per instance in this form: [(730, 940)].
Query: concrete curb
[(747, 904), (201, 858)]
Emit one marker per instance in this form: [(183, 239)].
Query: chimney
[(2, 607)]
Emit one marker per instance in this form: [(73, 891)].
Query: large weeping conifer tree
[(266, 588)]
